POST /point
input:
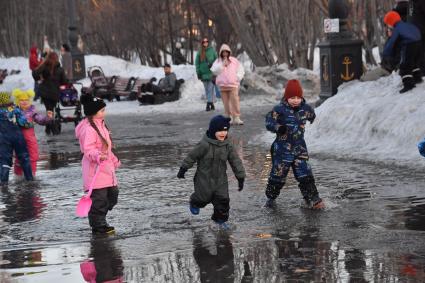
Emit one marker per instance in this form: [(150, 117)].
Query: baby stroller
[(68, 101)]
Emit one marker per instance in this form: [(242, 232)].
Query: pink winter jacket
[(91, 147), (230, 75)]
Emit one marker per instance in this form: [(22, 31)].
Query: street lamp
[(210, 23), (78, 63)]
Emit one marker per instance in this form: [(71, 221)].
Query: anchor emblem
[(77, 66), (325, 75), (347, 76)]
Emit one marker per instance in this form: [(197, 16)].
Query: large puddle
[(372, 230)]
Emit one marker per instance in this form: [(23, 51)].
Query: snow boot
[(219, 226), (270, 203), (103, 230), (320, 204), (212, 106), (208, 107), (408, 83), (237, 121), (4, 173), (309, 191), (417, 76), (273, 190), (194, 210)]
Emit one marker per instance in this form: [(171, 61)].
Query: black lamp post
[(78, 63), (340, 53)]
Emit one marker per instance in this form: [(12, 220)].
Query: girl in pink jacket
[(229, 72), (23, 99), (96, 146)]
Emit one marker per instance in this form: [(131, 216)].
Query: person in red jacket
[(35, 61)]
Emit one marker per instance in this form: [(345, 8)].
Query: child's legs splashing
[(221, 205), (304, 175), (21, 151), (281, 163)]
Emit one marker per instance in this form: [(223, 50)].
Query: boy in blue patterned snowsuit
[(287, 120), (11, 139)]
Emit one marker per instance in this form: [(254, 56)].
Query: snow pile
[(267, 81), (371, 121), (273, 79)]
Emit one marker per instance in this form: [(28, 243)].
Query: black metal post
[(340, 53), (78, 63)]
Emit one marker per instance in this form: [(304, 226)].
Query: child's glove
[(240, 183), (421, 147), (181, 173)]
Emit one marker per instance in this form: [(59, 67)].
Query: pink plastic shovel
[(84, 204)]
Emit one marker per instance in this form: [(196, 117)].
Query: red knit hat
[(391, 18), (293, 88)]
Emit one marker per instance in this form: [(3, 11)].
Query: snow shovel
[(84, 204)]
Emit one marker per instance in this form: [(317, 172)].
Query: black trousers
[(221, 206), (410, 54), (103, 200)]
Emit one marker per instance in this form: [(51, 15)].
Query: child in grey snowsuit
[(211, 155), (289, 150)]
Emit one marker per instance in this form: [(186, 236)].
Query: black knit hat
[(91, 104), (218, 123)]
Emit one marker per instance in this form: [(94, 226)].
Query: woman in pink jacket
[(96, 146), (229, 74)]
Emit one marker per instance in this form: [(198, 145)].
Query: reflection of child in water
[(214, 267), (107, 264)]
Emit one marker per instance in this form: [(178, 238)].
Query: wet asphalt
[(372, 230)]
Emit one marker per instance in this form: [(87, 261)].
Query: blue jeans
[(217, 91), (209, 89)]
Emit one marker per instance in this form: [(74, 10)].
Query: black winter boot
[(408, 83), (208, 107), (309, 191), (212, 106), (273, 190), (417, 75), (103, 230)]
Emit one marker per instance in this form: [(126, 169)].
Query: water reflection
[(22, 203), (106, 265), (415, 217), (215, 262)]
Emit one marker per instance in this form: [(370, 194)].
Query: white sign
[(331, 25)]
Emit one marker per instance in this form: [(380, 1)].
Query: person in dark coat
[(211, 185), (52, 76), (418, 19), (287, 120), (178, 57), (402, 8), (409, 38), (12, 139)]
